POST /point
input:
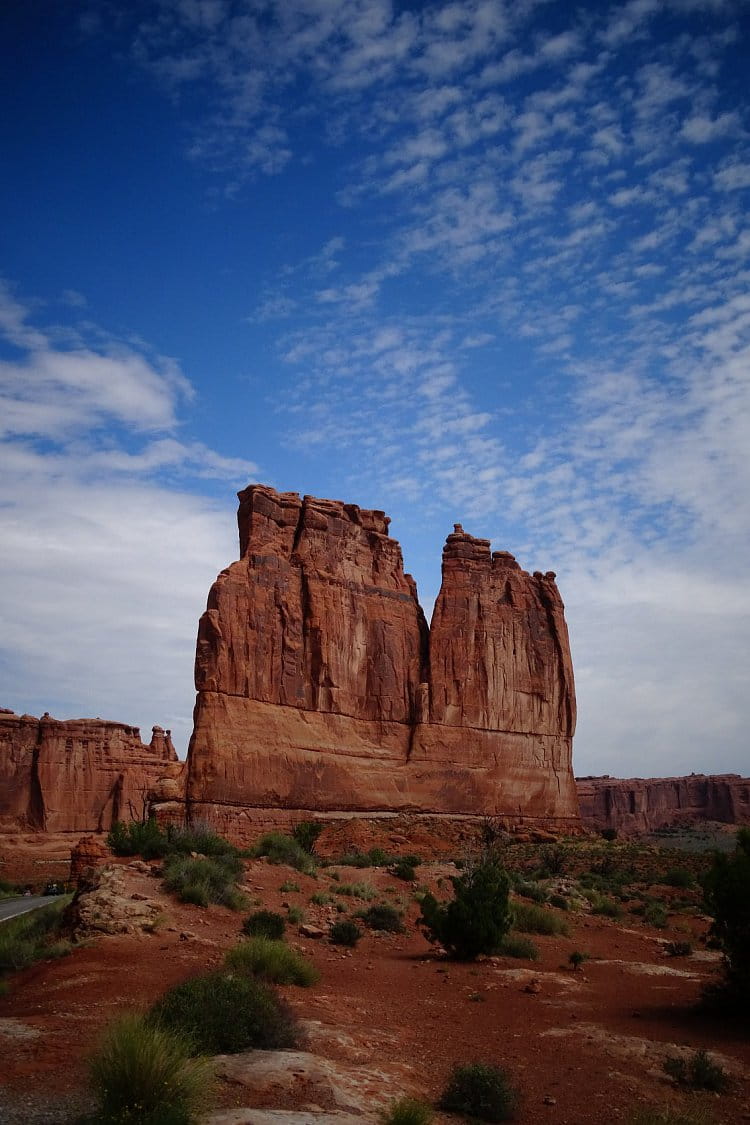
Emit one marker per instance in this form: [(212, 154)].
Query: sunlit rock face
[(321, 689), (637, 804), (76, 775)]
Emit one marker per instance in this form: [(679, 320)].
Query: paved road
[(11, 907)]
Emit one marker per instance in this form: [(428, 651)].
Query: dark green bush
[(224, 1013), (480, 1090), (139, 837), (699, 1072), (383, 916), (513, 945), (264, 923), (678, 948), (345, 933), (559, 901), (727, 898), (678, 877), (404, 870), (202, 881), (281, 849), (609, 834), (407, 1111), (306, 834), (655, 914), (532, 891), (478, 916), (273, 961)]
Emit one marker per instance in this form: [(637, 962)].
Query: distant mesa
[(638, 805), (76, 775)]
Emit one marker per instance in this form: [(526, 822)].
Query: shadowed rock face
[(643, 804), (320, 687), (76, 775)]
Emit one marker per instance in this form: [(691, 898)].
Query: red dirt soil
[(582, 1046)]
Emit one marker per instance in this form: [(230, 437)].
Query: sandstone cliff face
[(643, 804), (320, 687), (76, 775)]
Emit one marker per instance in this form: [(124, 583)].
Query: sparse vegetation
[(345, 933), (727, 896), (295, 915), (407, 1111), (144, 1073), (288, 886), (514, 945), (402, 869), (528, 918), (273, 961), (655, 914), (577, 958), (699, 1072), (382, 916), (479, 915), (225, 1012), (364, 891), (146, 838), (480, 1090), (264, 923), (678, 877), (282, 849), (652, 1115), (202, 881), (306, 834), (320, 898), (678, 948), (32, 937)]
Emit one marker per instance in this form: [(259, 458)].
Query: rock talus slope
[(76, 775), (321, 689)]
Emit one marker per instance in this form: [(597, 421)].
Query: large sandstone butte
[(321, 688), (76, 775), (642, 804)]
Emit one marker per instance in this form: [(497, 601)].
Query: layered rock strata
[(320, 687), (77, 775), (644, 804)]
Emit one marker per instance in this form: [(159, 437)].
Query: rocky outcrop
[(644, 804), (76, 775), (321, 689)]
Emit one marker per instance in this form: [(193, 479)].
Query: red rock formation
[(76, 775), (643, 804), (320, 688)]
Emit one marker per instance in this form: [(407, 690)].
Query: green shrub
[(295, 915), (555, 859), (609, 834), (306, 834), (727, 898), (365, 891), (355, 859), (320, 898), (383, 916), (32, 937), (699, 1072), (202, 881), (273, 961), (197, 837), (403, 870), (288, 886), (532, 891), (281, 849), (224, 1013), (528, 918), (345, 933), (407, 1111), (678, 948), (478, 916), (264, 923), (678, 877), (655, 914), (480, 1090), (559, 901), (143, 1073), (577, 958), (513, 945), (139, 837), (604, 906)]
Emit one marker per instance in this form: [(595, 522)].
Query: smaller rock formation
[(644, 804), (77, 775), (88, 854)]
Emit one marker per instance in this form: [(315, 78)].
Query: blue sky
[(484, 262)]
